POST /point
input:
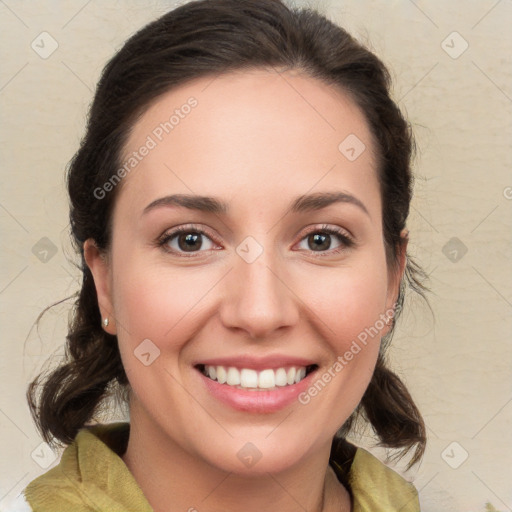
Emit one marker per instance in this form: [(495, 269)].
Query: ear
[(395, 277), (99, 265)]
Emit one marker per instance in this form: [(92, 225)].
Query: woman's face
[(262, 286)]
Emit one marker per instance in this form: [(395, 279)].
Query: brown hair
[(209, 37)]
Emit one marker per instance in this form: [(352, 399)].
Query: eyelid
[(329, 229)]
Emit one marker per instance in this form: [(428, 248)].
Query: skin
[(256, 140)]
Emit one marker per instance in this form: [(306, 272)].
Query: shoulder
[(374, 486), (377, 485), (90, 476)]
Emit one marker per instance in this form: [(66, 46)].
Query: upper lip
[(256, 363)]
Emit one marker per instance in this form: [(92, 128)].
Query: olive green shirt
[(91, 477)]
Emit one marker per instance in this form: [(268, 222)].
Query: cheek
[(159, 306), (156, 303), (349, 300), (349, 304), (163, 303)]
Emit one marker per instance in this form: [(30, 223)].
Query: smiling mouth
[(253, 380)]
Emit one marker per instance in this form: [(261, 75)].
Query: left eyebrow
[(304, 203), (322, 200)]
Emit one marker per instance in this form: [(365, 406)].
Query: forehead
[(246, 135)]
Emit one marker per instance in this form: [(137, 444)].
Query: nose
[(259, 297)]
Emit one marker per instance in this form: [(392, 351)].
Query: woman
[(239, 202)]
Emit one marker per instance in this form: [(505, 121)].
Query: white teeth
[(249, 378), (221, 375), (266, 379), (280, 377), (300, 375), (233, 378), (252, 379)]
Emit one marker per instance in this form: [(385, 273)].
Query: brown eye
[(321, 240), (186, 240), (189, 241)]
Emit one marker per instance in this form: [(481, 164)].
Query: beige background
[(457, 364)]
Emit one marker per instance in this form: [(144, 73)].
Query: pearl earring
[(105, 322)]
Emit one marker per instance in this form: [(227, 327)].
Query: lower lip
[(256, 401)]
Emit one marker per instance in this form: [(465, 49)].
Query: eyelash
[(346, 240)]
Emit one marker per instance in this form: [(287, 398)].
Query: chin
[(259, 456)]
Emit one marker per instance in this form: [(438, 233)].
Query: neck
[(171, 477)]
